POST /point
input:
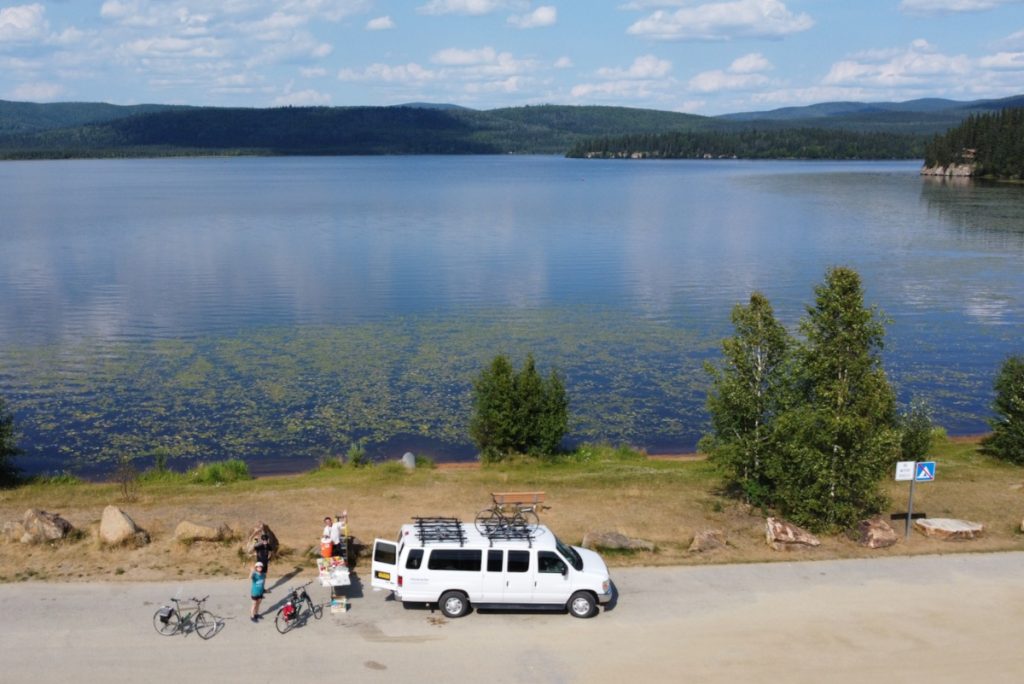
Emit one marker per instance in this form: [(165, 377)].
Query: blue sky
[(697, 56)]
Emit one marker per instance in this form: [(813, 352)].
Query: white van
[(444, 561)]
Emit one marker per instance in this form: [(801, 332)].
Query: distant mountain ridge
[(77, 129)]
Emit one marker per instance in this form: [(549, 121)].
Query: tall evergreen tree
[(841, 437), (748, 392), (1007, 439), (518, 412)]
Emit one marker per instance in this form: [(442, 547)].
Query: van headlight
[(606, 586)]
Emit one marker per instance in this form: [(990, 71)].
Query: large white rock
[(188, 531), (117, 527), (785, 536), (949, 529)]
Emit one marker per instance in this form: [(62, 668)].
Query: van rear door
[(384, 567)]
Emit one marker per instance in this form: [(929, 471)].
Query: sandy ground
[(953, 618)]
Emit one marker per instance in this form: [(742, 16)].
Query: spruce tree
[(840, 438)]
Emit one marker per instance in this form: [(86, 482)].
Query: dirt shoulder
[(663, 501)]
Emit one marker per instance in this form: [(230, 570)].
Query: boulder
[(188, 531), (707, 540), (615, 540), (949, 529), (41, 526), (117, 528), (258, 531), (785, 536), (14, 531), (409, 460), (876, 533)]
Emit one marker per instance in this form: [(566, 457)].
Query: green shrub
[(329, 463), (220, 472), (356, 455)]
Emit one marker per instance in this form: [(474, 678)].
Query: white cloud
[(37, 92), (302, 98), (919, 65), (723, 21), (457, 57), (951, 6), (743, 74), (1003, 61), (546, 15), (402, 73), (471, 7), (380, 24), (643, 67), (23, 23), (165, 46), (563, 63), (313, 72), (749, 64)]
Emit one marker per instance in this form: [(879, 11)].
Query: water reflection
[(256, 306)]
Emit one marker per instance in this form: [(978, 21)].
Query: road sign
[(905, 471), (925, 471)]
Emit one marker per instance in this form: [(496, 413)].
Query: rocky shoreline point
[(965, 170)]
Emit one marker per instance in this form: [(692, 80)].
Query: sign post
[(915, 471)]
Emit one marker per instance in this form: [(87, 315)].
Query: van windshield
[(569, 554)]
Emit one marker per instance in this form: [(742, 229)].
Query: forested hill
[(546, 129), (993, 144), (62, 130)]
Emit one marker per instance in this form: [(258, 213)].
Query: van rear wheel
[(453, 604), (582, 604)]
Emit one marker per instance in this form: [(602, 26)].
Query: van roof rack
[(440, 530), (509, 531)]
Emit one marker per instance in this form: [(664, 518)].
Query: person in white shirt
[(337, 532)]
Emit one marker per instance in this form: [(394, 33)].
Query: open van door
[(384, 566)]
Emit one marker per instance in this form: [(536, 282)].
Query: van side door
[(553, 583), (384, 567), (518, 576)]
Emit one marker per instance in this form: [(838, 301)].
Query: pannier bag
[(165, 613)]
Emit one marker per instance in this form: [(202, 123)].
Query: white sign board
[(905, 471)]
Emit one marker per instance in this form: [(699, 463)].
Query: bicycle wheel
[(205, 623), (488, 522), (529, 519), (316, 609), (282, 623), (169, 626)]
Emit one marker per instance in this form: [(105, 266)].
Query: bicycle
[(510, 512), (296, 609), (170, 620)]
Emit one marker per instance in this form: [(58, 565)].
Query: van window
[(414, 559), (455, 559), (569, 553), (518, 561), (494, 560), (385, 553), (548, 561)]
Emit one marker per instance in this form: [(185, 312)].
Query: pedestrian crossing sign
[(925, 471)]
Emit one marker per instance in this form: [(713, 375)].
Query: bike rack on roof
[(440, 530)]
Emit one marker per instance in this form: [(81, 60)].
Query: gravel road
[(952, 618)]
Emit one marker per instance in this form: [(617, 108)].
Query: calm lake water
[(283, 309)]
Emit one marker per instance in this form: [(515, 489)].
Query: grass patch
[(219, 472)]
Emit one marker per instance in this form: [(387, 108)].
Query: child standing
[(258, 578)]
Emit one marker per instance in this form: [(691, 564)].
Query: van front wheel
[(582, 605), (453, 604)]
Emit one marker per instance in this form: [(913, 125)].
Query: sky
[(696, 56)]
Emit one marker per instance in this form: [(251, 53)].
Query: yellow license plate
[(386, 576)]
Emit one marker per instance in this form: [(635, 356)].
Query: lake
[(283, 309)]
